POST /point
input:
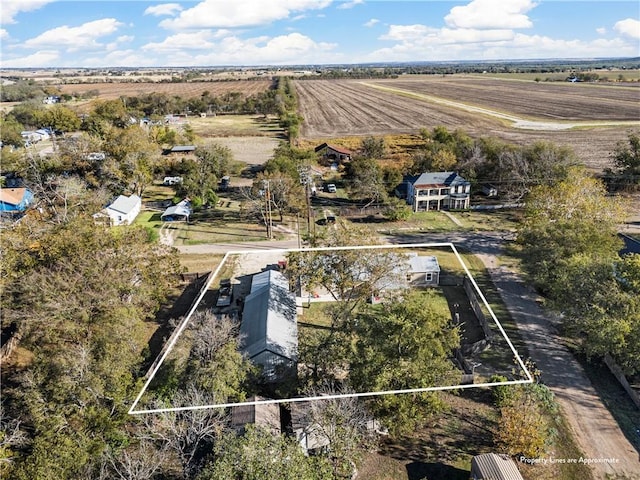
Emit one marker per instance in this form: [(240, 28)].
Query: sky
[(138, 33)]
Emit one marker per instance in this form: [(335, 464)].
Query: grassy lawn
[(231, 125), (495, 221), (198, 263)]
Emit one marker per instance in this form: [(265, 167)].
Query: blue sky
[(51, 33)]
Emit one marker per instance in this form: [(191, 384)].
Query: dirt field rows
[(550, 101), (349, 108), (191, 89)]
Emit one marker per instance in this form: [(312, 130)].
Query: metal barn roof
[(269, 317), (491, 466)]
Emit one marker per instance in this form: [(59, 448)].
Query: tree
[(343, 423), (366, 180), (131, 158), (61, 118), (261, 455), (626, 160), (10, 130), (372, 147), (406, 344), (79, 297), (217, 367), (571, 217), (200, 181)]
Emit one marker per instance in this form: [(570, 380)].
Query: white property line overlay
[(196, 304)]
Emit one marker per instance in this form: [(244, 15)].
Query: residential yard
[(443, 448)]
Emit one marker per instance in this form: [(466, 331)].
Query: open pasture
[(107, 91), (544, 100), (340, 108)]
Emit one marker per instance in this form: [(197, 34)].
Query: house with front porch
[(436, 191)]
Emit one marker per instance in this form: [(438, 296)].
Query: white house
[(122, 211), (437, 191)]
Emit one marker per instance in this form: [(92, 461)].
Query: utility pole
[(305, 179), (268, 220)]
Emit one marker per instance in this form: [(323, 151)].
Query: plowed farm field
[(113, 90), (340, 108), (544, 100)]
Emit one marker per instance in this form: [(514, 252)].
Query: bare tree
[(139, 462), (11, 437), (188, 433), (211, 334), (344, 422)]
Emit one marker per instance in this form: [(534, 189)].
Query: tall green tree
[(626, 161), (200, 181), (404, 345), (574, 216)]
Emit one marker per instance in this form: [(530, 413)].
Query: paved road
[(595, 429)]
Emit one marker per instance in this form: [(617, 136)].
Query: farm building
[(180, 149), (490, 466), (333, 154), (15, 200), (180, 211), (264, 415), (436, 191), (269, 325), (123, 211)]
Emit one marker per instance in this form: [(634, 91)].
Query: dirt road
[(595, 430)]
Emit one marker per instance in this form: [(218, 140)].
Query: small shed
[(308, 434), (180, 211), (490, 190), (122, 211), (491, 466), (265, 415), (424, 270), (15, 200)]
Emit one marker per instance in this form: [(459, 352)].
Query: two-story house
[(437, 191)]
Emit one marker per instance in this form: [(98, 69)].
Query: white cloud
[(371, 22), (43, 58), (199, 40), (422, 43), (240, 13), (3, 34), (82, 36), (10, 8), (629, 27), (491, 14), (601, 31), (163, 9), (407, 32), (351, 4)]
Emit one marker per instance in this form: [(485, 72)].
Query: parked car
[(224, 294), (331, 188)]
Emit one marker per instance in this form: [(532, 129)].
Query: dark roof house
[(436, 191), (269, 325)]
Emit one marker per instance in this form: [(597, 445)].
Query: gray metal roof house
[(491, 466), (269, 325)]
